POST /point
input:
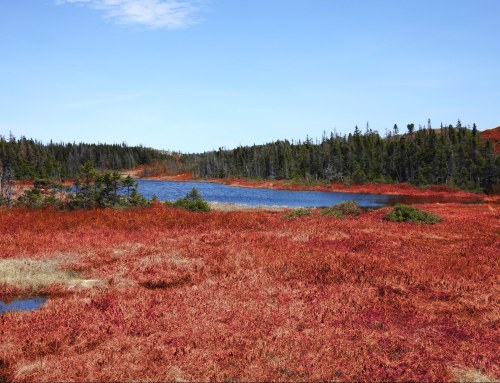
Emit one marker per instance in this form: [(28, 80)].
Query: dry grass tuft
[(226, 206), (24, 369), (35, 274), (475, 376)]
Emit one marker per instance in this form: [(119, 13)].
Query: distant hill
[(493, 135)]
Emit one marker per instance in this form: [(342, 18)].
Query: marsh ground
[(159, 294)]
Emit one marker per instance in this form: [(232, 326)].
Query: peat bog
[(164, 294)]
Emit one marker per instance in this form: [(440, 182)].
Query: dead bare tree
[(6, 184)]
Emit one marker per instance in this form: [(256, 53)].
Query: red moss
[(250, 296), (173, 177), (157, 170), (493, 135)]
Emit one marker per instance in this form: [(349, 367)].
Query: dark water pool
[(172, 190), (25, 304)]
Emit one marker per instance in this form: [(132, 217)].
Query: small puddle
[(26, 304)]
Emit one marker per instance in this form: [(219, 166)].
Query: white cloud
[(151, 13)]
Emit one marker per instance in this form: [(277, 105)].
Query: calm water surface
[(214, 192)]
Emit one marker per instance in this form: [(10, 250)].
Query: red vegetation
[(494, 135), (251, 296), (155, 169), (144, 172), (179, 177)]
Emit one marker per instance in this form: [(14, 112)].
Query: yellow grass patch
[(24, 369), (475, 376), (226, 206), (37, 274)]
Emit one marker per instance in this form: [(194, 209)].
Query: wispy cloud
[(169, 14)]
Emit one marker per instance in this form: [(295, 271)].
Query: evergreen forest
[(452, 155), (31, 159)]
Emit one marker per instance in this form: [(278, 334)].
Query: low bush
[(90, 190), (342, 209), (407, 213), (37, 198), (192, 201), (94, 190), (296, 213)]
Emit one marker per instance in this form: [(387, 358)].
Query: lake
[(215, 192)]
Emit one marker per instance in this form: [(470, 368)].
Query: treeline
[(453, 155), (31, 159)]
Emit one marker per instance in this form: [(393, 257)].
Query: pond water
[(215, 192), (25, 304)]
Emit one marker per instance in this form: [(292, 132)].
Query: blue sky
[(194, 75)]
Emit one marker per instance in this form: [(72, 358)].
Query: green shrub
[(332, 212), (406, 213), (31, 198), (37, 198), (135, 199), (192, 201), (41, 183), (342, 209), (90, 190), (295, 213)]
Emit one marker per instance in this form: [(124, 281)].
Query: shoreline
[(404, 189)]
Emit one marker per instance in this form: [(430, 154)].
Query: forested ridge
[(453, 155), (30, 159)]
